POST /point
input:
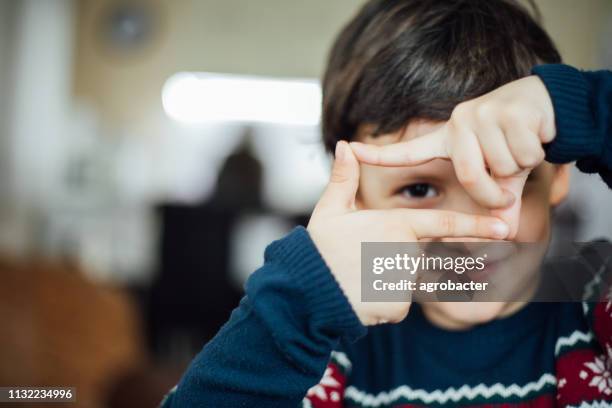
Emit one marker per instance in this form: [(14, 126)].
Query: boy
[(469, 166)]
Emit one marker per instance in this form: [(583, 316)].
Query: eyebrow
[(433, 169)]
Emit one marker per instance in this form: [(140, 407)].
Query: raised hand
[(337, 228), (494, 141)]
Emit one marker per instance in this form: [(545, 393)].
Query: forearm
[(276, 344), (582, 103)]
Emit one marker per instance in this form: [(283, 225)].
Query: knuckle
[(454, 135), (484, 110), (462, 111), (513, 113), (504, 168), (531, 159), (502, 171), (448, 223)]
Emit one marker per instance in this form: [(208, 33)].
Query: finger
[(511, 215), (525, 146), (547, 130), (339, 195), (470, 170), (415, 151), (496, 152), (440, 224)]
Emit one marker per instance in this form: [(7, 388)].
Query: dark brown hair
[(398, 60)]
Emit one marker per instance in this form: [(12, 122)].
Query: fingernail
[(500, 229), (509, 198), (340, 150)]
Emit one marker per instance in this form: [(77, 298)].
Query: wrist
[(577, 137), (324, 301), (547, 129)]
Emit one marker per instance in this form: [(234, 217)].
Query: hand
[(501, 132), (337, 228)]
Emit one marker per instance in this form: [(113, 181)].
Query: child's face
[(434, 185)]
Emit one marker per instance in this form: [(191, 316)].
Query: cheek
[(371, 194), (534, 223)]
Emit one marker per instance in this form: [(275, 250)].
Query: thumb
[(339, 196), (511, 215)]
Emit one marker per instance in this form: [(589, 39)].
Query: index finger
[(442, 224), (415, 151)]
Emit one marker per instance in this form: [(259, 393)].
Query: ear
[(560, 184)]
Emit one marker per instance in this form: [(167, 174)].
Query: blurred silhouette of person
[(193, 294), (239, 183)]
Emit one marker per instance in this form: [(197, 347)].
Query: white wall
[(39, 97), (35, 75), (6, 14)]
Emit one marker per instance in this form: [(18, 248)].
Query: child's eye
[(419, 190)]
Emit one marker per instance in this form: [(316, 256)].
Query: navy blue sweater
[(583, 114), (277, 343)]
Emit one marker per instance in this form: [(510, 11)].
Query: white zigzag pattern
[(306, 403), (585, 308), (451, 394), (593, 404), (342, 359), (589, 288), (572, 339)]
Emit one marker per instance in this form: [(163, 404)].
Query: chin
[(464, 314)]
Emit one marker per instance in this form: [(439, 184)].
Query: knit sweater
[(294, 340)]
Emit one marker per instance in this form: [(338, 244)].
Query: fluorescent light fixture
[(208, 97)]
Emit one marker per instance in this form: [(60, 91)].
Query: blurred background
[(150, 150)]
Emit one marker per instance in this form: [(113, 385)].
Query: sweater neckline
[(506, 329)]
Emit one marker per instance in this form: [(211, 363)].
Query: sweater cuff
[(325, 301), (577, 137)]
